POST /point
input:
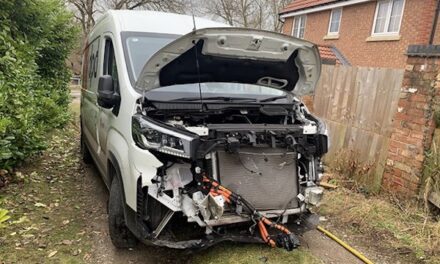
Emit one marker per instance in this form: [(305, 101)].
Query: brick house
[(373, 33)]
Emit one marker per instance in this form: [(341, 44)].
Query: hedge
[(36, 37)]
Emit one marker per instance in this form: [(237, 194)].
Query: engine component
[(216, 206), (258, 173), (163, 223), (287, 239), (209, 206), (314, 195), (177, 176), (190, 210), (310, 129), (201, 202), (199, 130), (232, 144)]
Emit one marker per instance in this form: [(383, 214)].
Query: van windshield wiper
[(274, 98), (215, 98)]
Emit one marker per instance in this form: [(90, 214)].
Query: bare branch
[(261, 14)]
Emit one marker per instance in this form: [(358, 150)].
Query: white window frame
[(302, 17), (387, 19), (330, 23)]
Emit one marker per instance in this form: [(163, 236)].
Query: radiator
[(266, 177)]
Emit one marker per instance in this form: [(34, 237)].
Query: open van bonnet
[(235, 55)]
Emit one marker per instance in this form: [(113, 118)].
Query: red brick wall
[(356, 27), (287, 26), (413, 125)]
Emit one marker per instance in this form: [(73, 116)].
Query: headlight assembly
[(154, 135)]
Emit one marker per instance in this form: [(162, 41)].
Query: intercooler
[(266, 177)]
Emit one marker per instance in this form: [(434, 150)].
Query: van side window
[(93, 63), (90, 66), (85, 69), (110, 67)]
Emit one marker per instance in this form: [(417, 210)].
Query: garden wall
[(413, 125)]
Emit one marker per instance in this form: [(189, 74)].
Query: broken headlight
[(154, 135)]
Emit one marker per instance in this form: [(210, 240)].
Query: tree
[(275, 7), (174, 6), (260, 14), (86, 11)]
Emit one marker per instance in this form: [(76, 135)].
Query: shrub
[(35, 40)]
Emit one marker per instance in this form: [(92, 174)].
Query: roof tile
[(297, 5), (328, 55)]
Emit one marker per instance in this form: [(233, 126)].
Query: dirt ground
[(59, 208)]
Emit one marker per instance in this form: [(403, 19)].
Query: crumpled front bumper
[(305, 222)]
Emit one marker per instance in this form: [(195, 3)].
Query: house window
[(298, 26), (388, 17), (335, 21)]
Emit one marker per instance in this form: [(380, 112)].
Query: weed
[(355, 173), (4, 217), (431, 172), (401, 227)]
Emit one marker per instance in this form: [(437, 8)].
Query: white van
[(197, 130)]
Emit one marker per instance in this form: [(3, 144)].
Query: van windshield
[(138, 49)]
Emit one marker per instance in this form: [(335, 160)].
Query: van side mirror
[(107, 96)]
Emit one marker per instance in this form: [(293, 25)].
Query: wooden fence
[(358, 105)]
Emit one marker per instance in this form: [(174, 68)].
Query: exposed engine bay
[(229, 164)]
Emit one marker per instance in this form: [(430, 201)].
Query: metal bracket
[(163, 223)]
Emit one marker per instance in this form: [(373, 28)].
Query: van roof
[(157, 22)]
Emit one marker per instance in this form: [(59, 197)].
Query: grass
[(75, 112), (241, 253), (402, 228), (44, 197), (356, 175)]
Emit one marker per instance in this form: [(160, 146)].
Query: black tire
[(120, 235), (85, 152)]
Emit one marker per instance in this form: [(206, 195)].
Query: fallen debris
[(328, 185)]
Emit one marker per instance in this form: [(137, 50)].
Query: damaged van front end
[(236, 154)]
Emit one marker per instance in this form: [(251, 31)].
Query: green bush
[(36, 37)]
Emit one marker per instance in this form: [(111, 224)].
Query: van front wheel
[(120, 235)]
